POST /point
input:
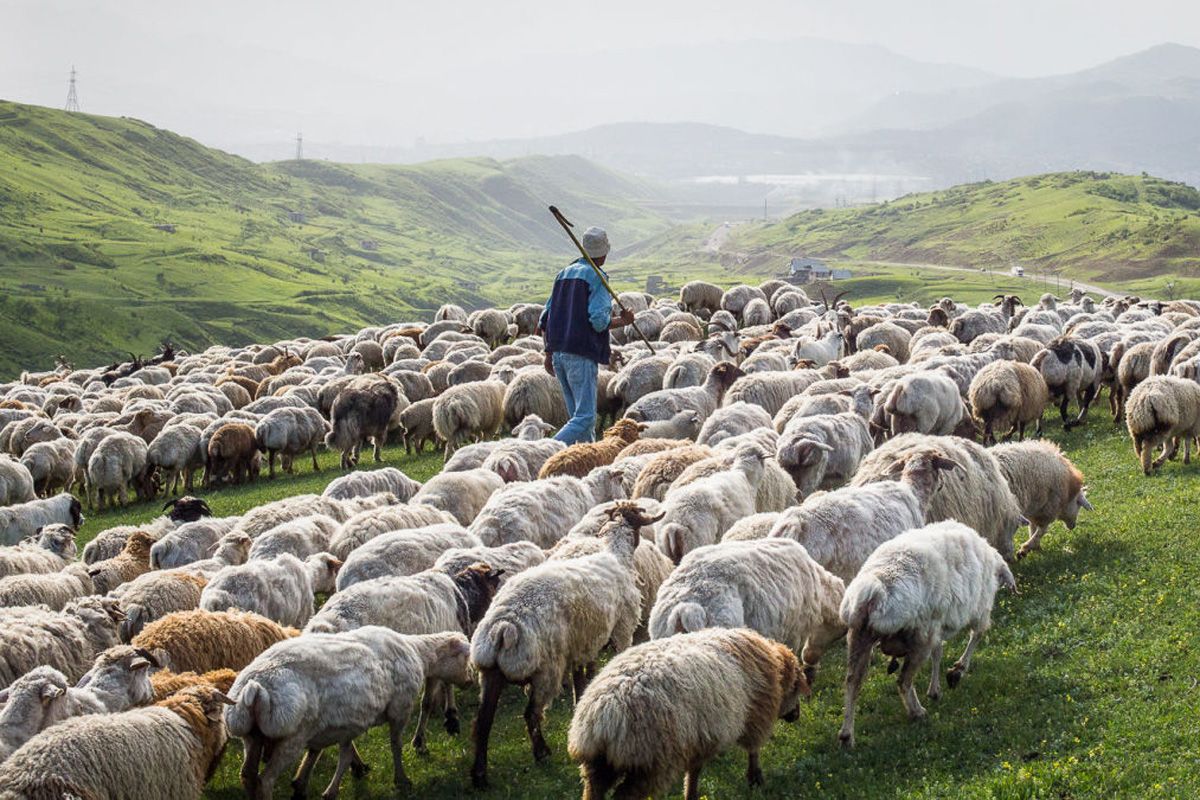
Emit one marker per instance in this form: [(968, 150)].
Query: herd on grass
[(778, 472)]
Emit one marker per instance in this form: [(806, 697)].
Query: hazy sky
[(253, 68)]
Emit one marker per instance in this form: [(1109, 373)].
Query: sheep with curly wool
[(306, 694), (288, 433), (1048, 487), (913, 593), (416, 426), (551, 622), (824, 451), (153, 595), (106, 755), (542, 511), (118, 463), (579, 459), (704, 399), (132, 561), (165, 683), (190, 542), (663, 709), (924, 402), (508, 559), (1006, 396), (16, 484), (772, 586), (1163, 410), (202, 641), (301, 537), (521, 459), (51, 589), (51, 465), (532, 391), (840, 529), (402, 552), (34, 702), (468, 411), (460, 494), (771, 390), (68, 640), (19, 522), (49, 549), (282, 589), (700, 295), (975, 493), (699, 513), (362, 528)]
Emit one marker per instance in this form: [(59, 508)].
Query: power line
[(72, 97)]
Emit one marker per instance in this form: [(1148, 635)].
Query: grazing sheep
[(305, 694), (131, 562), (202, 641), (469, 411), (579, 459), (699, 513), (461, 494), (231, 455), (416, 425), (190, 542), (1163, 410), (975, 493), (166, 751), (1072, 368), (362, 412), (913, 593), (551, 622), (733, 419), (887, 334), (16, 484), (68, 640), (521, 459), (1048, 487), (704, 399), (823, 452), (534, 391), (51, 465), (367, 525), (51, 589), (49, 549), (665, 708), (402, 552), (177, 454), (509, 559), (1007, 396), (287, 433), (771, 586), (282, 589), (368, 482), (19, 522), (541, 511), (924, 402), (1132, 367), (302, 537), (700, 295)]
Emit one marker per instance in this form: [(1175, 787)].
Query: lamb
[(733, 419), (551, 621), (402, 552), (283, 589), (663, 709), (704, 399), (19, 522), (924, 402), (51, 589), (176, 453), (49, 549), (107, 755), (1047, 486), (541, 511), (153, 595), (699, 514), (132, 561), (368, 482), (460, 494), (287, 433), (840, 529), (684, 425), (507, 559), (33, 703), (16, 484), (202, 641), (472, 410), (913, 593), (365, 526), (416, 425), (308, 693), (67, 640), (231, 455), (579, 459), (1163, 410), (190, 542), (301, 537), (829, 347), (771, 586), (51, 465), (362, 411), (823, 452), (975, 494), (1007, 396)]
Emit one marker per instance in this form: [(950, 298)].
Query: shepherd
[(575, 326)]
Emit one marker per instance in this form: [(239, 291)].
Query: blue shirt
[(578, 314)]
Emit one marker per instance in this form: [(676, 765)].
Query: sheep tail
[(490, 643), (252, 706), (687, 618), (857, 607)]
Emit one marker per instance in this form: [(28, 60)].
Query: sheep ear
[(50, 692), (139, 664), (941, 462)]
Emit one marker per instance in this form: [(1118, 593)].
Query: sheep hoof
[(1022, 553), (479, 779), (451, 723), (755, 777), (917, 715), (420, 747), (954, 676), (847, 740), (359, 770), (810, 673), (935, 696), (893, 665)]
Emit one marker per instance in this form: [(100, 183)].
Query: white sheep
[(49, 549), (367, 525), (33, 703), (118, 463), (471, 410), (282, 589), (542, 511), (301, 537), (924, 402), (1161, 410), (913, 593), (290, 432), (51, 589), (461, 494), (190, 542), (402, 552), (510, 559), (176, 452), (732, 419), (364, 483), (19, 522), (705, 399), (51, 465), (67, 640), (16, 484), (1048, 487), (823, 452)]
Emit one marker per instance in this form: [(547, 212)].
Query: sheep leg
[(377, 441), (815, 646), (252, 757), (935, 671), (284, 753), (1085, 402), (579, 681), (691, 783), (598, 779), (964, 662), (754, 773), (450, 715), (345, 757), (1187, 449), (1170, 447), (316, 466), (858, 659), (1062, 410), (1034, 542), (493, 682), (540, 696), (913, 661), (428, 700), (639, 784), (271, 464), (300, 782), (1143, 451)]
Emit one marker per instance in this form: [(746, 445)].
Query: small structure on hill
[(296, 216), (166, 227), (803, 269), (656, 285)]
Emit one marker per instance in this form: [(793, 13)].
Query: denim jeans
[(577, 375)]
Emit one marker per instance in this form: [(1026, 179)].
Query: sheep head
[(625, 429)]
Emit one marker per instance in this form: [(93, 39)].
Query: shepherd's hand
[(548, 363)]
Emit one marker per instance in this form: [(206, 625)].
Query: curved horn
[(840, 295), (726, 348), (1018, 299), (168, 504), (998, 297)]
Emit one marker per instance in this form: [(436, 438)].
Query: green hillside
[(115, 234), (1099, 226)]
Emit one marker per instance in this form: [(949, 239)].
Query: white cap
[(595, 242)]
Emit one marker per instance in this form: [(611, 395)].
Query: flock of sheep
[(778, 472)]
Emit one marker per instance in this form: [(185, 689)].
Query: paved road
[(1087, 287)]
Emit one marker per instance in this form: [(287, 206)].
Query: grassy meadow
[(1085, 686)]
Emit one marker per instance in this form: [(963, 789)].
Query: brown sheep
[(232, 454), (580, 459), (166, 683), (133, 560), (1132, 367), (1006, 396), (362, 411), (1048, 487), (203, 641), (646, 446), (249, 384), (661, 471)]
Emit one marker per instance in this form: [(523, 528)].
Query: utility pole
[(764, 209), (72, 97), (299, 147)]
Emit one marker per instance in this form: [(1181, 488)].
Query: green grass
[(1105, 227), (1085, 686)]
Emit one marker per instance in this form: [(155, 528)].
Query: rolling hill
[(115, 234), (1100, 226)]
